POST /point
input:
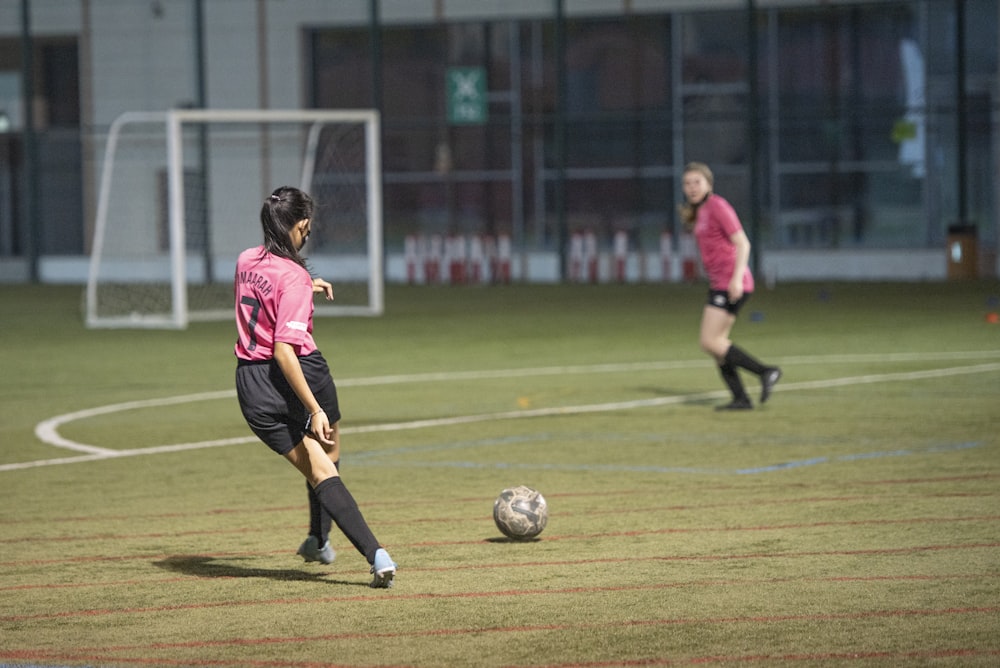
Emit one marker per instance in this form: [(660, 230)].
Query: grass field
[(852, 520)]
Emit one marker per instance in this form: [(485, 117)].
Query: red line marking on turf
[(458, 595), (911, 481), (124, 536), (36, 655), (708, 506), (108, 653), (610, 534), (255, 512), (845, 484), (159, 516), (776, 527), (729, 557), (645, 532), (79, 585), (581, 562), (133, 557), (893, 657)]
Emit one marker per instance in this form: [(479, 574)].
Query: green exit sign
[(466, 88)]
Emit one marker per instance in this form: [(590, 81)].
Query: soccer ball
[(520, 512)]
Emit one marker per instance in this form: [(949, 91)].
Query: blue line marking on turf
[(954, 446), (601, 468), (375, 458), (783, 466), (951, 447), (874, 455), (456, 445)]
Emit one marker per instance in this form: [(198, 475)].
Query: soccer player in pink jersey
[(283, 383), (725, 255)]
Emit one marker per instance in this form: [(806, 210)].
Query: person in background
[(283, 383), (725, 255)]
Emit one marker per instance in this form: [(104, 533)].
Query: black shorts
[(720, 299), (270, 406)]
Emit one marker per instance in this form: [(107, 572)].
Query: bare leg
[(716, 324), (319, 548), (312, 461)]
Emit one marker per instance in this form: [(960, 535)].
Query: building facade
[(857, 140)]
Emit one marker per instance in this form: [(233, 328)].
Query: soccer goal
[(180, 197)]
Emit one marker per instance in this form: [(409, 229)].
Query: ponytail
[(283, 208)]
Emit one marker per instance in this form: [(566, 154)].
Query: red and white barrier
[(590, 256), (433, 254), (666, 256), (501, 273), (576, 257), (474, 259), (411, 254), (689, 257), (477, 258), (455, 253), (621, 255)]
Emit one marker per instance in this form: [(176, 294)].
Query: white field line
[(47, 431)]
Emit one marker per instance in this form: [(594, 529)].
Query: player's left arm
[(319, 285), (742, 245), (288, 362)]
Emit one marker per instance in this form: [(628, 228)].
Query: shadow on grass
[(513, 541), (210, 567), (686, 401)]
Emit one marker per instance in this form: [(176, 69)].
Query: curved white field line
[(47, 431)]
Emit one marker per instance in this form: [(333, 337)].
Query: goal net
[(180, 197)]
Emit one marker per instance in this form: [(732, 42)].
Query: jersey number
[(255, 311)]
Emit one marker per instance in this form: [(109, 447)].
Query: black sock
[(733, 382), (319, 520), (740, 358), (341, 506)]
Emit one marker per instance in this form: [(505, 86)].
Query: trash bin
[(962, 260)]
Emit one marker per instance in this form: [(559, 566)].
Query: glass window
[(849, 155), (857, 109), (341, 69)]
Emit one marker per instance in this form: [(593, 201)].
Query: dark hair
[(285, 207), (689, 211)]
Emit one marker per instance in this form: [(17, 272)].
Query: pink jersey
[(717, 222), (274, 302)]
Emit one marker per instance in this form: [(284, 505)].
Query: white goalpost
[(180, 197)]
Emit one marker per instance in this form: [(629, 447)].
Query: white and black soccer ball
[(520, 512)]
